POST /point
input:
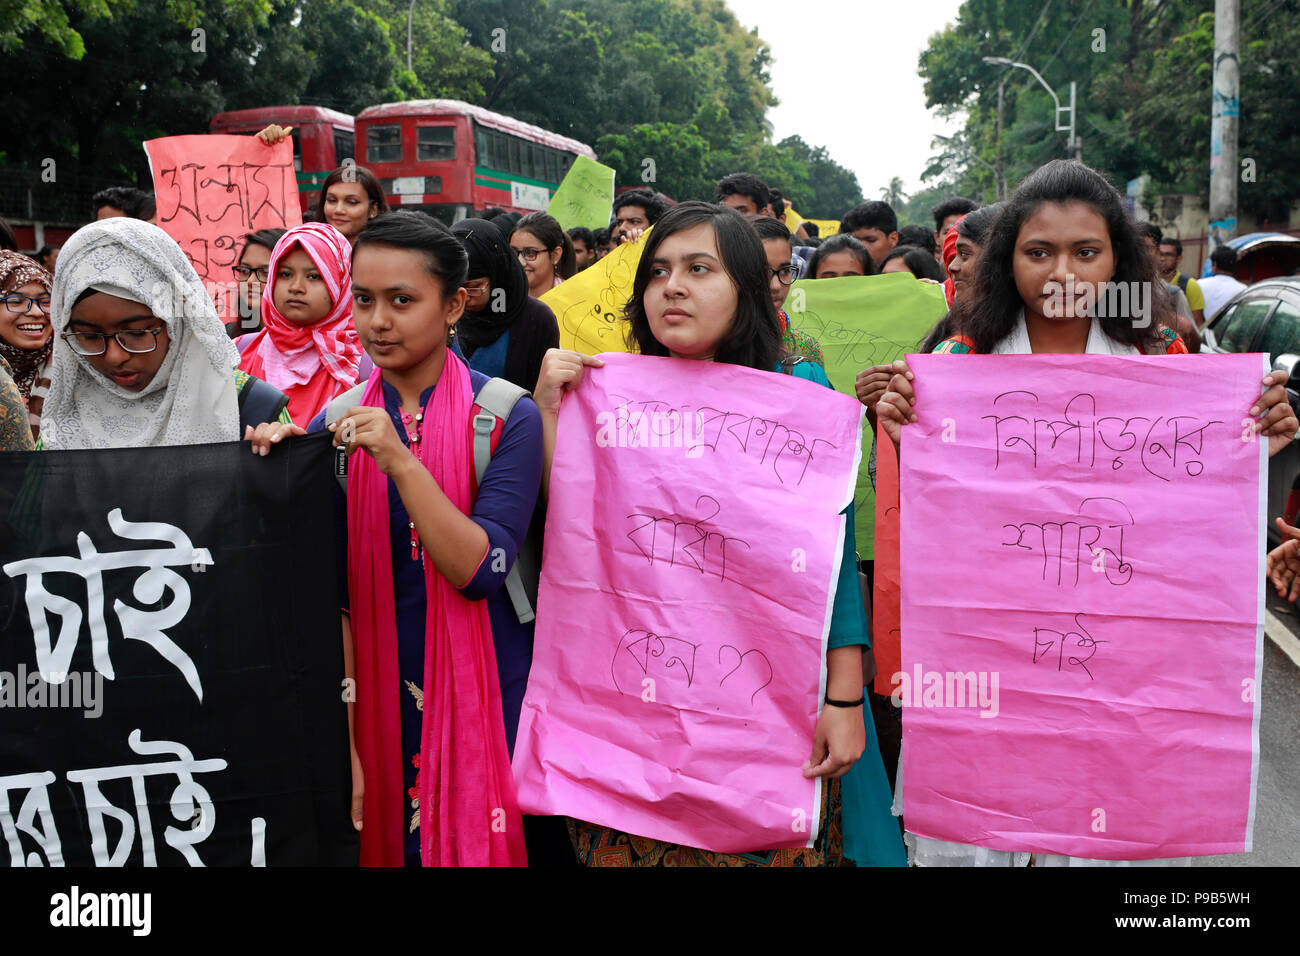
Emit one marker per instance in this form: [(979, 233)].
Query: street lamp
[(1072, 143)]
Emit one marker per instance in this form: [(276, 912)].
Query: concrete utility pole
[(410, 14), (997, 173), (1224, 122)]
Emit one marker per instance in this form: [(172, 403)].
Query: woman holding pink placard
[(1062, 237), (701, 294)]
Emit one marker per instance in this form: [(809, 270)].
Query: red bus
[(453, 160), (322, 139)]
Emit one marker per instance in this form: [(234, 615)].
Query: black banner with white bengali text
[(171, 668)]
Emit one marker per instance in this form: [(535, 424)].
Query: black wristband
[(847, 703)]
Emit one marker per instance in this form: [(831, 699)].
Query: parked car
[(1265, 317)]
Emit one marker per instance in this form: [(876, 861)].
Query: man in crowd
[(1170, 252), (745, 193), (947, 213), (124, 201), (635, 211), (875, 225), (1152, 236), (920, 237), (584, 246), (1223, 284)]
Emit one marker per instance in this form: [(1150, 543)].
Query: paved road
[(1277, 812)]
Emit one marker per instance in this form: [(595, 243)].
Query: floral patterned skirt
[(600, 846)]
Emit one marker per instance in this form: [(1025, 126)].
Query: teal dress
[(871, 833)]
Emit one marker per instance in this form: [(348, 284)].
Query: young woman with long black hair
[(1064, 219), (701, 293)]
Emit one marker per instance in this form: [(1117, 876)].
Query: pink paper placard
[(1082, 549), (211, 191), (693, 539)]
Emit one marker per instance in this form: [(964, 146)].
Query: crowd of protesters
[(383, 327)]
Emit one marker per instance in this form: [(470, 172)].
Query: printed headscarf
[(31, 367), (191, 400), (309, 363)]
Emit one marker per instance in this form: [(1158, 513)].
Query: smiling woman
[(26, 335)]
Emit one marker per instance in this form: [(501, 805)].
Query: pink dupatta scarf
[(469, 814)]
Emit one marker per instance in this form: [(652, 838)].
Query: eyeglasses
[(242, 272), (529, 254), (135, 341), (787, 274), (478, 287), (19, 303)]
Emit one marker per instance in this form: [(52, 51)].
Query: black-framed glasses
[(529, 254), (787, 274), (19, 303), (242, 272), (135, 341)]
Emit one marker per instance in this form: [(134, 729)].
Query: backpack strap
[(335, 410), (496, 400), (260, 402), (1182, 282)]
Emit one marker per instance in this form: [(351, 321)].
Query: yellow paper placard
[(826, 227), (589, 307)]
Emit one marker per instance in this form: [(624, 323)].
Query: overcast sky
[(876, 122)]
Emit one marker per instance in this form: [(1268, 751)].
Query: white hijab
[(1099, 343), (192, 399)]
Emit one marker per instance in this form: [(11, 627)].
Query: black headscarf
[(490, 256)]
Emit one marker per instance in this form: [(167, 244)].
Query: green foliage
[(680, 82), (50, 20), (668, 157), (1144, 100)]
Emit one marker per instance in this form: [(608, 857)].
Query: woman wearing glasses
[(252, 272), (144, 360), (544, 250), (504, 331), (26, 335), (782, 272)]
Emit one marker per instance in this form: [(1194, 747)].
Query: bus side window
[(297, 150), (344, 146)]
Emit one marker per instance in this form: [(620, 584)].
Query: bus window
[(297, 151), (482, 147), (516, 166), (552, 166), (384, 144), (435, 143), (344, 146)]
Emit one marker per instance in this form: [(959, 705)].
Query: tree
[(444, 63), (50, 20), (669, 157), (893, 193)]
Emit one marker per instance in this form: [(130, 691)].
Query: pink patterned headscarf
[(309, 363)]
